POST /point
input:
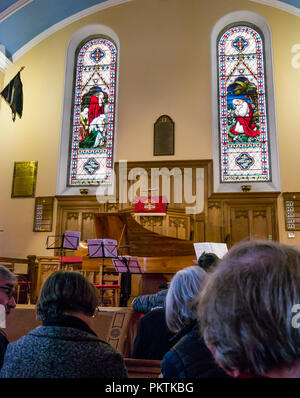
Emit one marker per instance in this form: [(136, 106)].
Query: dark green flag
[(13, 95)]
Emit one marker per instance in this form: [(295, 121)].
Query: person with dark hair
[(152, 340), (189, 357), (7, 289), (153, 336), (208, 261), (64, 346), (248, 311)]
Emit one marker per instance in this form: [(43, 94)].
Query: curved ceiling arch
[(36, 20)]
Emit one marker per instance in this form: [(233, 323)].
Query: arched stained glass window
[(243, 121), (93, 121)]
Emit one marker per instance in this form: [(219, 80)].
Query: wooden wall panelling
[(76, 213), (214, 222), (239, 227), (197, 228), (238, 216), (262, 223)]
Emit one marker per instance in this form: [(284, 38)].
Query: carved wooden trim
[(212, 205), (72, 215), (241, 213), (88, 215), (260, 213), (155, 221), (178, 222)]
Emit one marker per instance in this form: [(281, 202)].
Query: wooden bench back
[(143, 368)]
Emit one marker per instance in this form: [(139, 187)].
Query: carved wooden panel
[(179, 227), (262, 223), (233, 217), (177, 224), (214, 221), (239, 224), (88, 225)]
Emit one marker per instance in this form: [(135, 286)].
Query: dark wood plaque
[(24, 179), (43, 214), (292, 210), (163, 136)]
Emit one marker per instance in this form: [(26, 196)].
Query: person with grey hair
[(64, 346), (189, 357), (247, 311), (7, 302)]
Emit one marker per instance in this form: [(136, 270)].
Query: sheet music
[(131, 264), (103, 248), (219, 249), (110, 248), (71, 240)]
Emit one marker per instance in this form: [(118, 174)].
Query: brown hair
[(66, 291), (245, 309)]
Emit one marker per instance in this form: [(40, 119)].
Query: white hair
[(181, 297)]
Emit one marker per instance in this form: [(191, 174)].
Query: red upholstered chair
[(109, 288), (70, 262)]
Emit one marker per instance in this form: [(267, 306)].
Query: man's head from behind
[(245, 310), (7, 285), (208, 261)]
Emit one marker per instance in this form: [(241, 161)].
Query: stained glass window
[(93, 122), (243, 123)]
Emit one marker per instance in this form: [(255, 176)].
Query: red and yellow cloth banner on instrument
[(150, 205)]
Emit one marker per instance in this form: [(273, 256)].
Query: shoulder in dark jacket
[(147, 302), (190, 357)]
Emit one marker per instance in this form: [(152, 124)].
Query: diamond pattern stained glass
[(243, 127), (93, 126)]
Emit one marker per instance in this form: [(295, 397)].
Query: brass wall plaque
[(24, 179), (164, 136)]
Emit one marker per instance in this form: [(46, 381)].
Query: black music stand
[(127, 265), (69, 240), (102, 248)]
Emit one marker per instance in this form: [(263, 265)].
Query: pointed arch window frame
[(254, 20), (95, 30)]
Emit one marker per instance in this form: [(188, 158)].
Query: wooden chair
[(143, 368), (109, 288)]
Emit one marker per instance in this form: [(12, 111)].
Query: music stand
[(129, 264), (126, 265), (69, 240), (102, 248)]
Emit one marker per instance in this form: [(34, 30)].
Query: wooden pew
[(143, 368)]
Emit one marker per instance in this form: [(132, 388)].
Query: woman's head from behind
[(181, 297), (66, 292), (246, 308)]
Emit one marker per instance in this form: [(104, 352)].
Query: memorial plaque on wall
[(43, 214), (163, 136), (24, 179), (292, 210)]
